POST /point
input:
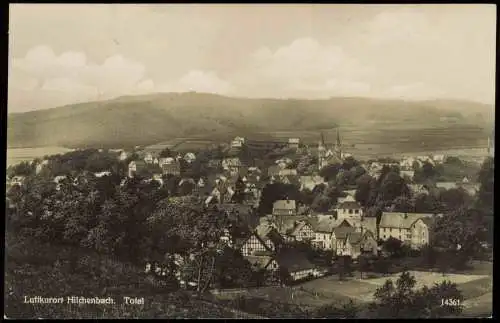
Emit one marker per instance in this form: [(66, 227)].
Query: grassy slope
[(148, 119), (43, 270)]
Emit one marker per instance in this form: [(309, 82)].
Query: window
[(356, 211), (350, 211)]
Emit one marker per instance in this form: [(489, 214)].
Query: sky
[(67, 53)]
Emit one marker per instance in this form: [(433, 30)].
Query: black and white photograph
[(249, 161)]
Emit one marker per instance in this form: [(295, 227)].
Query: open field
[(428, 278), (17, 155), (475, 284), (466, 142)]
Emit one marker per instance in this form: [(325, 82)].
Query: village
[(274, 239)]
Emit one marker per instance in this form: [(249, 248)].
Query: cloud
[(304, 65), (70, 77), (72, 72), (399, 25)]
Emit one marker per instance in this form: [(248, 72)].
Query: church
[(328, 156)]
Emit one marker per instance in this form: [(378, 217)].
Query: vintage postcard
[(250, 161)]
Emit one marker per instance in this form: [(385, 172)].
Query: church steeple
[(338, 145)]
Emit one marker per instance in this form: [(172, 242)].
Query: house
[(237, 142), (222, 193), (354, 244), (148, 158), (350, 242), (439, 159), (263, 262), (349, 209), (287, 172), (173, 168), (284, 207), (294, 266), (136, 166), (285, 179), (407, 227), (17, 180), (165, 160), (446, 185), (215, 163), (409, 174), (407, 163), (189, 157), (302, 231), (293, 143), (232, 165), (123, 155), (259, 243), (324, 238), (102, 174), (310, 182), (417, 189), (369, 223)]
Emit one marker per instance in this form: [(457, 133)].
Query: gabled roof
[(370, 224), (260, 261), (298, 227), (293, 260), (349, 203), (187, 180), (343, 232), (401, 220)]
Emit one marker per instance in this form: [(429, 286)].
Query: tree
[(330, 172), (364, 264), (403, 204), (393, 246), (344, 266), (427, 203), (382, 265), (425, 173), (239, 191), (486, 190), (453, 199), (460, 232), (429, 256), (365, 184), (391, 187), (165, 153)]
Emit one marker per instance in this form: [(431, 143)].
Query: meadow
[(476, 285), (17, 155)]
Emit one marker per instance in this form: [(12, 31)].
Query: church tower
[(338, 146), (321, 152)]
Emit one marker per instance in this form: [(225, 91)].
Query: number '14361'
[(450, 302)]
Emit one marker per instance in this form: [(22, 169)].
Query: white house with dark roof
[(349, 208), (410, 228), (310, 182), (284, 207)]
